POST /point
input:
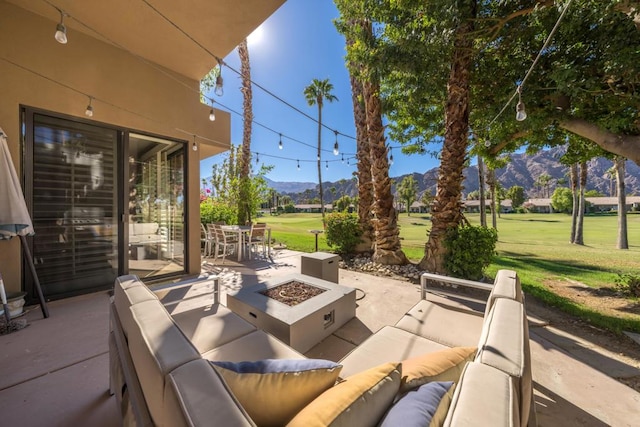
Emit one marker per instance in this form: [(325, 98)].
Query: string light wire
[(533, 64)]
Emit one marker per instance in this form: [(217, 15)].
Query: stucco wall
[(150, 100)]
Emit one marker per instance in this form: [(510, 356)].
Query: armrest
[(424, 279), (171, 287)]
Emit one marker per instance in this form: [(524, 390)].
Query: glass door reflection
[(155, 206)]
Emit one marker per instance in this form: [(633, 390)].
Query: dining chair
[(223, 242), (211, 240), (258, 237), (205, 239)]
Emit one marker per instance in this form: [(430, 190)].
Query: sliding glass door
[(156, 206), (104, 201), (72, 169)]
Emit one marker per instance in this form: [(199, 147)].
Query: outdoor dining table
[(241, 232)]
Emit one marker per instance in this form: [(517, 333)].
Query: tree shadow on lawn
[(528, 219), (515, 261)]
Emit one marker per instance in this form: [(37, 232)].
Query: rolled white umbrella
[(14, 216)]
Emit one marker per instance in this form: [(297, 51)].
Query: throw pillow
[(418, 407), (443, 365), (360, 400), (274, 391)]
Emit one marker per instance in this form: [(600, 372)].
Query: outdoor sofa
[(172, 365)]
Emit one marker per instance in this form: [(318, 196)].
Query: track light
[(521, 114), (280, 143), (89, 111), (61, 30), (336, 151), (212, 115)]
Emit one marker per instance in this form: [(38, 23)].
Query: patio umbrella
[(14, 216)]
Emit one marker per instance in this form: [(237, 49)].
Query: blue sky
[(295, 45)]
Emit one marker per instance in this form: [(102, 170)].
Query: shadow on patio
[(55, 371)]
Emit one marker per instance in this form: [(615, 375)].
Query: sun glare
[(257, 36)]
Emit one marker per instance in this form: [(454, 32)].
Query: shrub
[(215, 211), (342, 231), (628, 284), (470, 250), (290, 208)]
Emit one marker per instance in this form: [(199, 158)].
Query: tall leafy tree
[(408, 191), (516, 194), (317, 93)]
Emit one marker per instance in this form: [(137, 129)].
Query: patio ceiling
[(218, 25)]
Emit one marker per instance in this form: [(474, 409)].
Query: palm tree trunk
[(320, 162), (573, 176), (447, 207), (492, 191), (365, 185), (387, 248), (623, 242), (244, 213), (481, 190), (580, 223)]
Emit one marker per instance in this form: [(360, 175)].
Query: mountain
[(522, 170), (290, 187)]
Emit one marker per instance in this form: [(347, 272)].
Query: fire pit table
[(299, 310)]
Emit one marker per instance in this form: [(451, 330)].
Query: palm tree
[(316, 93), (623, 242), (446, 209), (244, 213), (365, 184), (573, 176), (579, 239)]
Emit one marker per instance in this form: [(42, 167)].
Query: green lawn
[(535, 245)]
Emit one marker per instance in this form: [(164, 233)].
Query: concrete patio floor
[(55, 371)]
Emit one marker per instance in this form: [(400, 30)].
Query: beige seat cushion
[(485, 396), (196, 395), (212, 326), (441, 323), (257, 345), (157, 347), (388, 344), (505, 345)]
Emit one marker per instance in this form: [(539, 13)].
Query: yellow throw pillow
[(273, 391), (443, 365), (360, 400)]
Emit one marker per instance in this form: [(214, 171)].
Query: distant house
[(608, 204), (313, 208), (473, 206), (418, 207)]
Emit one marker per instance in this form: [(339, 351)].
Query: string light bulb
[(212, 115), (342, 158), (390, 157), (327, 162), (61, 30), (257, 158), (280, 143), (298, 164), (89, 111), (219, 90), (521, 114), (487, 143), (336, 150), (194, 146)]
